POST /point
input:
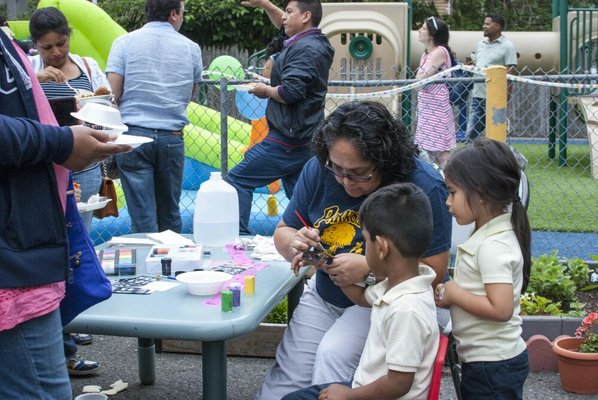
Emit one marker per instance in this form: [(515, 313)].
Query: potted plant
[(578, 358)]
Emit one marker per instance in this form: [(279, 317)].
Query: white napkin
[(264, 249)]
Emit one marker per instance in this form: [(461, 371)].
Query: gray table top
[(176, 314)]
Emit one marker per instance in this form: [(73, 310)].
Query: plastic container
[(216, 216)]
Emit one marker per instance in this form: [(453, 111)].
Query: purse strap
[(87, 68), (104, 169)]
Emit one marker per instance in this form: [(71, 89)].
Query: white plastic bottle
[(216, 216)]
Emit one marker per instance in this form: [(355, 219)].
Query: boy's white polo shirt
[(403, 333)]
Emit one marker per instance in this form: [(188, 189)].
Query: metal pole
[(405, 111), (223, 127), (563, 12)]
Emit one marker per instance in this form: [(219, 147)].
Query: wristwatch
[(370, 279)]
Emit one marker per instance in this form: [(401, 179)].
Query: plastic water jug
[(216, 217)]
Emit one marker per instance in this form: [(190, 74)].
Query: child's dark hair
[(402, 213), (489, 169), (439, 32)]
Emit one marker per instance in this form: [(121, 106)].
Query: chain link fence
[(552, 122)]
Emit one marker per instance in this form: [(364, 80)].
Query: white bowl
[(102, 115), (204, 283)]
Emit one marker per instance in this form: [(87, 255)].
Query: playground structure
[(382, 49)]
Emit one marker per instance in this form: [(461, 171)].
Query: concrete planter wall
[(538, 332)]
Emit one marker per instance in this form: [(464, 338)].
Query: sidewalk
[(178, 376)]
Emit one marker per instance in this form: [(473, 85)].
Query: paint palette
[(117, 262)]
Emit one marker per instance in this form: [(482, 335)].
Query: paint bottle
[(272, 206), (226, 300), (250, 285), (166, 264), (235, 288)]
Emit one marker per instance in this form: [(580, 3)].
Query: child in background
[(491, 270), (402, 342)]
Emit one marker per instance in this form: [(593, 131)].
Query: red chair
[(438, 365)]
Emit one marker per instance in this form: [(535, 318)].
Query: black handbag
[(87, 283)]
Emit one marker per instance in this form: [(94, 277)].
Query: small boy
[(401, 346)]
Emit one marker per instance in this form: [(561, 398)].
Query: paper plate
[(82, 207), (132, 140)]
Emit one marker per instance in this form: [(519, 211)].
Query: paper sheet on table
[(160, 286), (264, 249), (130, 241), (169, 237)]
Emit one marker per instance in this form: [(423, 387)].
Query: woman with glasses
[(435, 132), (359, 148)]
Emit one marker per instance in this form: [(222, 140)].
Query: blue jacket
[(33, 239), (301, 69)]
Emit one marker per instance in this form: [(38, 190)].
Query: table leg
[(214, 370), (146, 360), (293, 298)]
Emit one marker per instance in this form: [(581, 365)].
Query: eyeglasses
[(434, 22), (338, 172), (185, 12)]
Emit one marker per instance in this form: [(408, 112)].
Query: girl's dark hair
[(380, 137), (439, 32), (489, 169), (45, 20)]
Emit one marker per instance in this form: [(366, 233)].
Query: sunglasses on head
[(433, 19)]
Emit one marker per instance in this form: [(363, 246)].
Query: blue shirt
[(159, 66), (325, 205)]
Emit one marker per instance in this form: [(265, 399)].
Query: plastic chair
[(438, 366)]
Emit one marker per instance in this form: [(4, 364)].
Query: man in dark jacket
[(297, 93)]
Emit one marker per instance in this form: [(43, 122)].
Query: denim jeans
[(90, 181), (496, 380), (265, 162), (70, 347), (152, 178), (311, 392), (32, 363), (478, 118)]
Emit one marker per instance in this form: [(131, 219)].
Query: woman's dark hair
[(380, 137), (489, 169), (159, 10), (439, 32), (401, 213), (45, 20)]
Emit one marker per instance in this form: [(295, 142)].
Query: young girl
[(491, 271), (435, 131)]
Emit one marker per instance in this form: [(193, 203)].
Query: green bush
[(553, 286), (579, 272), (549, 279), (279, 314)]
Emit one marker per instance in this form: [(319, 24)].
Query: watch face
[(370, 279)]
